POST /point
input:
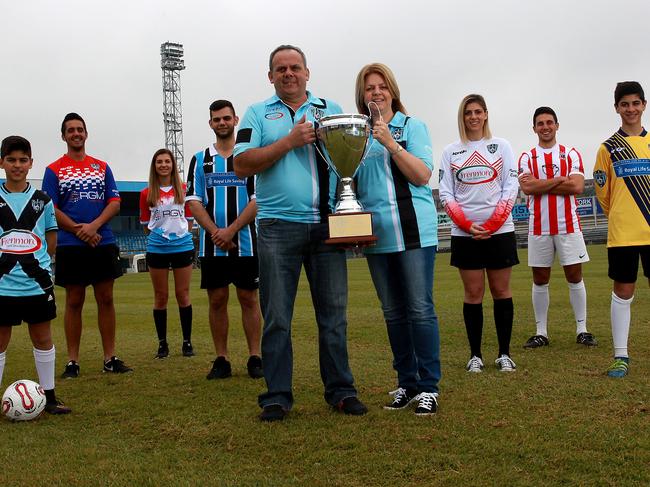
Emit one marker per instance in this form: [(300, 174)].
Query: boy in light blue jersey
[(27, 241)]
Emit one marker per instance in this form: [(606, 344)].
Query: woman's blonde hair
[(462, 130), (153, 197), (385, 72)]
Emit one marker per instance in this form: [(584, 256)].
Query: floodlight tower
[(172, 64)]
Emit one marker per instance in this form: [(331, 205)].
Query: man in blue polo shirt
[(295, 192)]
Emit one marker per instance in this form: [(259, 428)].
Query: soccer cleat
[(505, 364), (163, 350), (273, 412), (536, 341), (352, 406), (427, 404), (220, 369), (57, 407), (586, 339), (401, 399), (71, 370), (475, 365), (619, 368), (115, 366), (188, 349), (254, 367)]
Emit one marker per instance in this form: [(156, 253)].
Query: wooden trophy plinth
[(349, 229)]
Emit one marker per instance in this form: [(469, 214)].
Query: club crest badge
[(492, 148), (95, 166), (396, 133), (600, 177), (38, 205), (317, 113)]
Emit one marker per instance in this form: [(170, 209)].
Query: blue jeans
[(283, 248), (404, 284)]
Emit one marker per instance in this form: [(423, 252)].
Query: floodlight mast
[(172, 64)]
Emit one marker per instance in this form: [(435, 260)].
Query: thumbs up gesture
[(302, 133)]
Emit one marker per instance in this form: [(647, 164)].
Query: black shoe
[(163, 350), (57, 407), (254, 367), (71, 370), (536, 341), (586, 339), (427, 404), (188, 349), (352, 406), (116, 366), (220, 369), (273, 412), (401, 399)]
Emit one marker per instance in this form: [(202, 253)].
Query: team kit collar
[(398, 120)]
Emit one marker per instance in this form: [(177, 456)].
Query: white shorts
[(570, 249)]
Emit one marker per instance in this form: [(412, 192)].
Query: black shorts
[(217, 272), (624, 262), (30, 309), (175, 260), (84, 265), (497, 252)]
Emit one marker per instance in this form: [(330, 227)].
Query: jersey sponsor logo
[(222, 179), (512, 173), (600, 177), (19, 242), (86, 195), (492, 148), (457, 153), (632, 167), (476, 174), (167, 213), (554, 168), (274, 115)]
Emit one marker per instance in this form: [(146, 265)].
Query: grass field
[(557, 421)]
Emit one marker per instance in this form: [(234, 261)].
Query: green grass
[(556, 421)]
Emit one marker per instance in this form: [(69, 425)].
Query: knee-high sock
[(160, 320), (44, 360), (540, 307), (620, 312), (473, 315), (503, 316), (578, 299), (186, 322), (3, 357)]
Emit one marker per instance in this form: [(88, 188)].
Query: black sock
[(49, 396), (160, 320), (473, 315), (186, 322), (503, 315)]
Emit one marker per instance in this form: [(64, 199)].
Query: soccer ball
[(23, 400)]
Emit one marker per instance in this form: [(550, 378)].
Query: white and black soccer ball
[(23, 400)]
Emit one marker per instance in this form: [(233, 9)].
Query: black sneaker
[(188, 349), (427, 404), (401, 399), (57, 407), (352, 406), (254, 367), (71, 370), (536, 341), (273, 412), (586, 339), (220, 369), (116, 366), (163, 350)]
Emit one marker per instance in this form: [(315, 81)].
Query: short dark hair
[(285, 47), (72, 116), (15, 142), (219, 104), (542, 111), (624, 88)]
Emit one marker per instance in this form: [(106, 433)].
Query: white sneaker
[(505, 364), (475, 365)]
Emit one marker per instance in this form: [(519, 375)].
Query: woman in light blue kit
[(392, 184)]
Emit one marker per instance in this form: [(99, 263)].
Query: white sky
[(102, 59)]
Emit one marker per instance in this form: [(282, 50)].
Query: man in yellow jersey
[(622, 176)]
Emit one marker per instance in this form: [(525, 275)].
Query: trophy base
[(351, 229)]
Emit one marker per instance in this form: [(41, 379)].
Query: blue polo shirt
[(299, 187), (404, 216)]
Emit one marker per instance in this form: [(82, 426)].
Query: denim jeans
[(283, 248), (404, 284)]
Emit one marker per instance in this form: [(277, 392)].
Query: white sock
[(620, 312), (3, 357), (44, 360), (578, 299), (540, 306)]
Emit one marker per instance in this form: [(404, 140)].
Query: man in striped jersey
[(224, 205), (551, 175)]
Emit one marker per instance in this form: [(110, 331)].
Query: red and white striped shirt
[(551, 214)]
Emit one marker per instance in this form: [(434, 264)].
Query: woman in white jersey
[(169, 245), (392, 184), (478, 187)]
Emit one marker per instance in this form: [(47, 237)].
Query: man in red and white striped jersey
[(552, 175)]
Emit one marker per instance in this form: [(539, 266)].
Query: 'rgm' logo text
[(476, 174), (19, 242)]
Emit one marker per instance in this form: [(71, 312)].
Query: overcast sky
[(102, 59)]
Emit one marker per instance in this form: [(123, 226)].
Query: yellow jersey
[(622, 177)]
